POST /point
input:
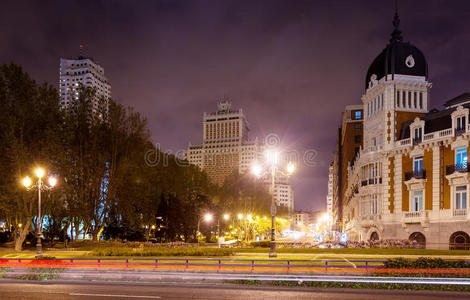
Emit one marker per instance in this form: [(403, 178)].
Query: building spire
[(396, 34)]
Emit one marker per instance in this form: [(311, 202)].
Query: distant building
[(82, 70), (348, 143), (307, 218), (329, 196), (226, 147)]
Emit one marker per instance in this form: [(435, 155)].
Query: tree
[(29, 115)]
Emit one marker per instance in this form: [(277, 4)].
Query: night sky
[(291, 65)]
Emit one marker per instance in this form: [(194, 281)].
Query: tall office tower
[(226, 148), (82, 70), (329, 196)]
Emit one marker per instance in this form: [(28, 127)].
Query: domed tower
[(397, 90)]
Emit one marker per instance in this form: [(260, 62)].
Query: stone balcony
[(369, 220), (461, 214), (416, 217)]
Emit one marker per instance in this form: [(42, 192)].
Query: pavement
[(143, 290)]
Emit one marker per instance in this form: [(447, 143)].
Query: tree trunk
[(23, 233)]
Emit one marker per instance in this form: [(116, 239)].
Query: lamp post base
[(272, 249), (38, 247)]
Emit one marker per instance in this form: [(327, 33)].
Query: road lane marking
[(114, 295)]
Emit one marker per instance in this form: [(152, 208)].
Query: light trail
[(161, 276)]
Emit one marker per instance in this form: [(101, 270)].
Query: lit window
[(418, 165), (357, 115), (461, 158)]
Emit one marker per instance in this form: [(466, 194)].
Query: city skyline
[(258, 54)]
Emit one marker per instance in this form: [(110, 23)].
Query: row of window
[(409, 99), (375, 105), (460, 199)]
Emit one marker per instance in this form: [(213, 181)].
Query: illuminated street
[(87, 290)]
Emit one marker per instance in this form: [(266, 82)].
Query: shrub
[(261, 244), (425, 263), (161, 251)]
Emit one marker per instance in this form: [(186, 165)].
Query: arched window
[(459, 241), (374, 236), (419, 238)]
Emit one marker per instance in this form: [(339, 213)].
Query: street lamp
[(272, 161), (207, 217), (28, 184)]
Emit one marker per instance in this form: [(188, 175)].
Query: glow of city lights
[(27, 181), (39, 172), (324, 218), (249, 217), (290, 168), (226, 217), (265, 218), (52, 181), (240, 216), (272, 157), (256, 169)]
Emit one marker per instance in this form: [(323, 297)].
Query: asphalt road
[(130, 290)]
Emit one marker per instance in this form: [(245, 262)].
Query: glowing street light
[(27, 182), (226, 217), (272, 157), (39, 172), (240, 216), (256, 169), (290, 168), (208, 218), (52, 181), (272, 160)]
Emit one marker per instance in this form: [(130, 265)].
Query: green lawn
[(367, 251), (283, 253)]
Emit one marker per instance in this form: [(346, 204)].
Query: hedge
[(425, 263), (127, 251)]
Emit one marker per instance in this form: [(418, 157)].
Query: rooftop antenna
[(80, 52), (396, 34)]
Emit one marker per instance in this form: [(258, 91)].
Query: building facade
[(329, 196), (348, 144), (85, 71), (410, 179), (226, 147)]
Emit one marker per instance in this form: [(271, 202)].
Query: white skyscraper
[(82, 70)]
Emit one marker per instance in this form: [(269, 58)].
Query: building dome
[(397, 58)]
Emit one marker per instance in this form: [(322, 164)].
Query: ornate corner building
[(407, 177)]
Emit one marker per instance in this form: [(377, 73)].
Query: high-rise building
[(329, 196), (410, 179), (226, 147), (348, 143), (87, 72)]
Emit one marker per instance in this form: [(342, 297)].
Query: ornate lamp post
[(271, 167), (28, 183), (207, 217)]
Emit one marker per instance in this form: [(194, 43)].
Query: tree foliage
[(97, 148)]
